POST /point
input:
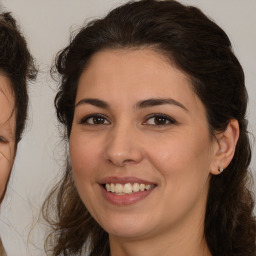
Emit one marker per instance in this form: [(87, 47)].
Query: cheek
[(6, 162), (182, 157), (84, 154), (184, 168)]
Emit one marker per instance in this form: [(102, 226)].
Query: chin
[(130, 228), (129, 234)]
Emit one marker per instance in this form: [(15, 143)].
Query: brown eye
[(160, 120), (95, 120), (98, 120)]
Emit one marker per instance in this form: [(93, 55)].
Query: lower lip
[(127, 199)]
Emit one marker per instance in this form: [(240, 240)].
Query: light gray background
[(47, 25)]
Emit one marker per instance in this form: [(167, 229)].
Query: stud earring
[(220, 169)]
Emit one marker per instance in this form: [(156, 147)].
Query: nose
[(123, 147)]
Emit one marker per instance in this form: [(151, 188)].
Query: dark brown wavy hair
[(17, 64), (201, 49)]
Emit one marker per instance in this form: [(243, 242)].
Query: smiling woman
[(137, 142), (16, 67), (153, 101)]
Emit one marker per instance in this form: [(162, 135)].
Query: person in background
[(16, 68), (153, 102)]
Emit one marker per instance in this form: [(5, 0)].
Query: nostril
[(121, 162), (128, 161)]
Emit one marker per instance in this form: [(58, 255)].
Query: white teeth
[(142, 187), (112, 187), (147, 187), (119, 188), (108, 188), (136, 187), (127, 188)]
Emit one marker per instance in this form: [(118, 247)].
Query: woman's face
[(7, 132), (140, 131)]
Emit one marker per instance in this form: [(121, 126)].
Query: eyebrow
[(141, 104), (94, 102), (158, 102)]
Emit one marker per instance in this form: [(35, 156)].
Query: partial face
[(140, 147), (7, 132)]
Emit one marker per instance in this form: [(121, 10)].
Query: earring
[(220, 169)]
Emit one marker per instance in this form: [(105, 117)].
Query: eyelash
[(167, 119), (3, 140), (104, 121), (93, 116)]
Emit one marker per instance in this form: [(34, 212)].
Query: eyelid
[(85, 118), (161, 115), (2, 139)]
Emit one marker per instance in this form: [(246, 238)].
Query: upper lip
[(124, 180)]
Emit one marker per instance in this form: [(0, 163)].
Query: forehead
[(131, 75), (133, 68)]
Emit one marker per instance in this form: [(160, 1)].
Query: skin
[(177, 156), (7, 132)]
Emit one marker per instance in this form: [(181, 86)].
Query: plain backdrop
[(47, 25)]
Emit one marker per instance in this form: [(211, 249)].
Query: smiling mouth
[(127, 188)]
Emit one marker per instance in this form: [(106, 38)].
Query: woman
[(16, 68), (153, 103)]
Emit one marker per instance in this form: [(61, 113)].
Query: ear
[(224, 148)]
